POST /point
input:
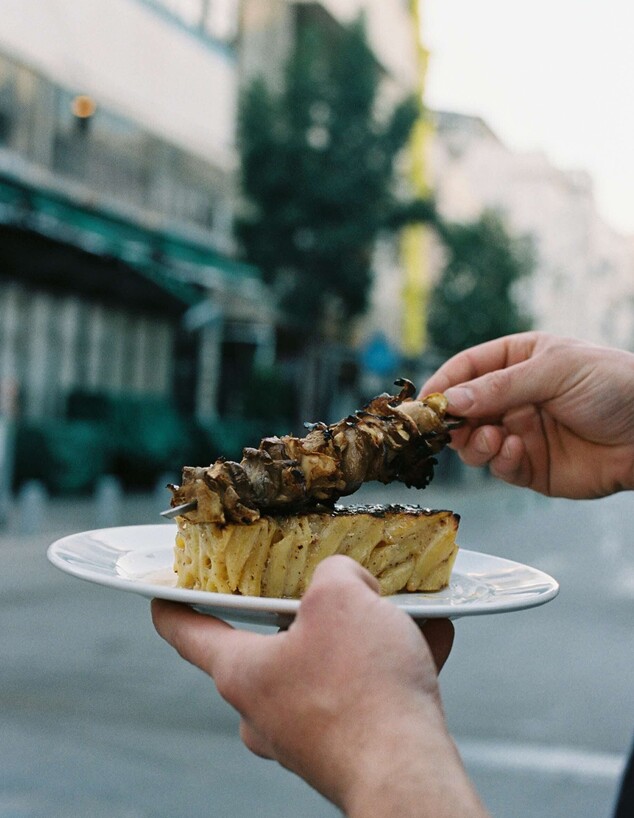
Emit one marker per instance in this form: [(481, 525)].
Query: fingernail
[(460, 398), (481, 444)]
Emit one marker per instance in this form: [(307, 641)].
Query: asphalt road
[(98, 717)]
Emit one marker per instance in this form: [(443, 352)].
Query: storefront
[(95, 306)]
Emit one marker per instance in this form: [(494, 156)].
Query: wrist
[(414, 771), (628, 482), (622, 474)]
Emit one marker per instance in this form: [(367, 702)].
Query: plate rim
[(247, 606)]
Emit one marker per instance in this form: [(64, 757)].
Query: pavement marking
[(625, 583), (30, 805), (558, 762)]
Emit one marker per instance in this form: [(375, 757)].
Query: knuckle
[(498, 384), (228, 683), (330, 586), (331, 571)]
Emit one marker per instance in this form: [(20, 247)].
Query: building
[(117, 190), (583, 283), (268, 32), (118, 267)]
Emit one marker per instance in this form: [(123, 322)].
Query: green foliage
[(227, 437), (475, 298), (67, 456), (270, 398), (318, 173), (139, 438), (144, 436)]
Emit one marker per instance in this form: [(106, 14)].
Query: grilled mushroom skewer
[(394, 437)]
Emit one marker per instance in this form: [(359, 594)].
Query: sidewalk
[(99, 717), (65, 515)]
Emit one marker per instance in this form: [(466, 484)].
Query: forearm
[(416, 774), (624, 470)]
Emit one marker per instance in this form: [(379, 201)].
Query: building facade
[(117, 192), (583, 283), (119, 271), (268, 32)]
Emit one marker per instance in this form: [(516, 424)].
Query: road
[(99, 717)]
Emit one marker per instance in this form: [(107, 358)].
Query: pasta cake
[(404, 547), (260, 527)]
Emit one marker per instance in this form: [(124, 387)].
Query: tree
[(475, 299), (318, 174)]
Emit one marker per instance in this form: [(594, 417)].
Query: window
[(221, 19), (19, 89), (189, 11), (108, 153), (216, 18), (103, 150), (8, 104)]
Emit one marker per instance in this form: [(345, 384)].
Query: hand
[(554, 414), (347, 697)]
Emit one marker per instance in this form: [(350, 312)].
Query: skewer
[(170, 513)]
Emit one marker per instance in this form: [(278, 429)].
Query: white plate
[(139, 559)]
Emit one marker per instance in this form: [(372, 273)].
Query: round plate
[(139, 559)]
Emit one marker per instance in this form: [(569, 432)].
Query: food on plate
[(392, 438), (404, 547), (260, 526)]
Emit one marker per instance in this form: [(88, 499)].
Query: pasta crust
[(405, 547)]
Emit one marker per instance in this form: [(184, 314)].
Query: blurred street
[(100, 718), (220, 218)]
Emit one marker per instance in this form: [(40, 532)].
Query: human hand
[(553, 414), (347, 697)]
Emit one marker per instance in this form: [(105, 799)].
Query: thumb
[(202, 640), (497, 392)]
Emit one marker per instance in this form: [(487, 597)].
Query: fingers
[(512, 464), (520, 370), (201, 640), (339, 568), (504, 453), (486, 445), (339, 589), (494, 394), (479, 360), (488, 380), (479, 446), (208, 642), (254, 741), (439, 634)]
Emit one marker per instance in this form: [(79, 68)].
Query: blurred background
[(221, 218)]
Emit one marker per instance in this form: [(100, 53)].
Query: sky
[(549, 75)]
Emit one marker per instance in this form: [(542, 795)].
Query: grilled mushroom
[(392, 438)]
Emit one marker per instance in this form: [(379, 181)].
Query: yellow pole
[(415, 238)]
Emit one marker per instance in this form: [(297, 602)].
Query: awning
[(184, 268)]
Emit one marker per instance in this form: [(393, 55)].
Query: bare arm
[(554, 414), (347, 698)]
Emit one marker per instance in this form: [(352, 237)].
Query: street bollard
[(32, 501), (6, 467), (8, 403), (108, 501)]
